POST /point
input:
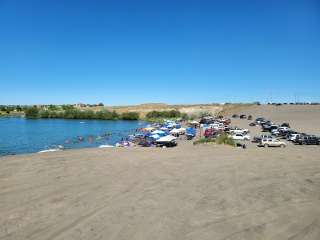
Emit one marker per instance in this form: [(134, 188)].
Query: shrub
[(184, 116), (78, 114), (56, 114), (44, 114), (3, 108), (221, 139), (87, 114), (163, 114), (105, 115), (71, 114), (130, 116), (18, 108), (174, 114), (53, 108), (225, 139), (100, 114), (193, 117), (115, 115), (32, 112), (204, 140), (204, 114), (67, 107), (153, 114)]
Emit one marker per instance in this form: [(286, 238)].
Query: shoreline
[(182, 145)]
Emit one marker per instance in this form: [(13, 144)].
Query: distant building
[(80, 105)]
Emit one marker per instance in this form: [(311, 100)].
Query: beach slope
[(189, 192)]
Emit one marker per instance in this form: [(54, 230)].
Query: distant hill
[(143, 109)]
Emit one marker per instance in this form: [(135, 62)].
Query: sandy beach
[(188, 192)]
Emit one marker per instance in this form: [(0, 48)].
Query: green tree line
[(70, 112), (11, 108), (164, 114), (73, 113)]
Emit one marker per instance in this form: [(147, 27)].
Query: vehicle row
[(283, 131)]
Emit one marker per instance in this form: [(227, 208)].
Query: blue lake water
[(20, 135)]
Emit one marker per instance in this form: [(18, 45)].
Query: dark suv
[(269, 127), (307, 140)]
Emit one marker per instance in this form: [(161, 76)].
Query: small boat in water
[(105, 146), (51, 150)]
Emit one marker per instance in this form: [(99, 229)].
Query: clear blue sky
[(129, 52)]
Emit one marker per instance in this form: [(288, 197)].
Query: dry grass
[(191, 109), (196, 109), (143, 109)]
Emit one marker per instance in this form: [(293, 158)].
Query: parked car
[(239, 131), (307, 140), (225, 121), (287, 134), (258, 139), (207, 120), (250, 117), (285, 125), (243, 116), (259, 120), (269, 127), (292, 136), (210, 132), (283, 129), (235, 116), (267, 142), (265, 122), (217, 126), (298, 137), (252, 124), (226, 128), (280, 131), (243, 137), (275, 132)]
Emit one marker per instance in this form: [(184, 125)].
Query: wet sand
[(188, 192)]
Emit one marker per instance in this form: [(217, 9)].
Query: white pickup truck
[(267, 142), (239, 131), (239, 136)]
